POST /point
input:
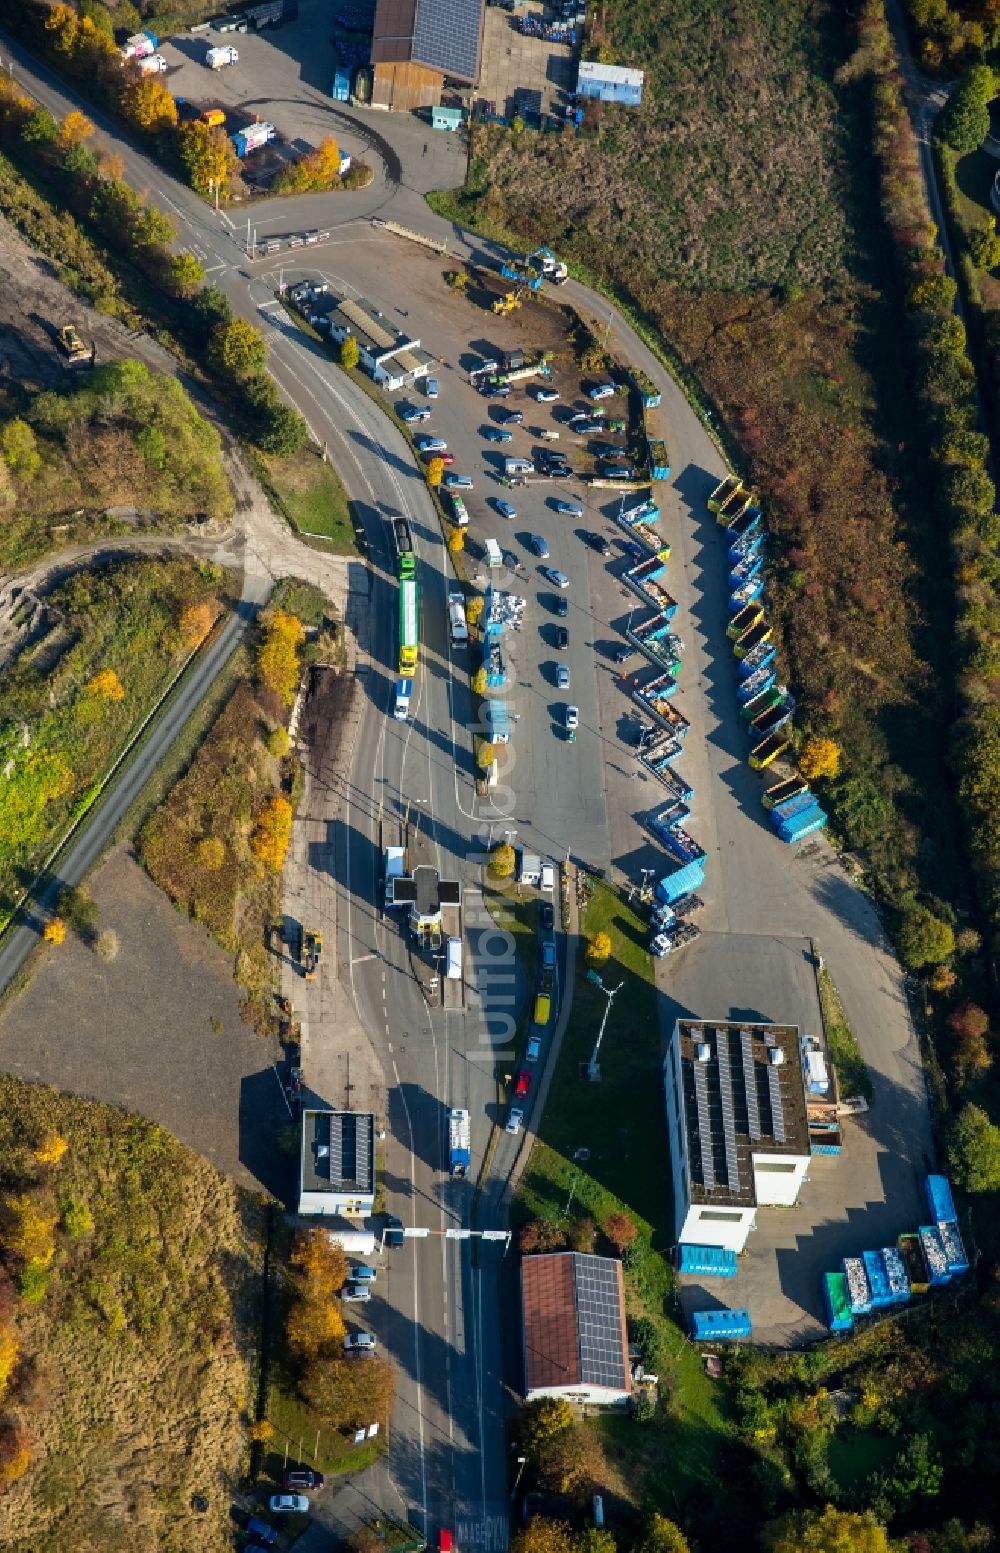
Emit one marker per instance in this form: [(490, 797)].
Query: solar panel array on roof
[(598, 1320), (750, 1085), (728, 1116), (777, 1107), (704, 1125), (446, 36)]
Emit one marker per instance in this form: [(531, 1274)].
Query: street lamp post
[(593, 1071), (521, 1460)]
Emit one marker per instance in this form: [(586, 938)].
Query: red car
[(523, 1084), (446, 458)]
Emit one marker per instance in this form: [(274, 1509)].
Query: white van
[(518, 466), (547, 881), (453, 960)]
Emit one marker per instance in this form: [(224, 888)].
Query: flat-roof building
[(389, 355), (337, 1173), (418, 44), (609, 83), (573, 1319), (738, 1125)]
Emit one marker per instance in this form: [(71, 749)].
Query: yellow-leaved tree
[(74, 130), (54, 931), (15, 1453), (599, 948), (320, 1265), (278, 653), (51, 1148), (27, 1225), (271, 834), (820, 757), (106, 685), (314, 1326), (8, 1357), (148, 104), (209, 157), (195, 623)]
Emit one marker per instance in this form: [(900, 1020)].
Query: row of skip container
[(713, 1325), (877, 1280), (765, 706), (654, 636)]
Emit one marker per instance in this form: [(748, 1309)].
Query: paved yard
[(519, 74), (157, 1031)]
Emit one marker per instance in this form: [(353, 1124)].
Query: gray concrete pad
[(521, 74), (761, 977)]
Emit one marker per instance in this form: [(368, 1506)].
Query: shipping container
[(762, 702), (935, 1255), (940, 1203), (878, 1283), (767, 722), (895, 1272), (838, 1305), (708, 1261), (758, 657), (681, 882), (729, 1325), (954, 1250), (912, 1252)]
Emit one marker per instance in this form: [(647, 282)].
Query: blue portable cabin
[(729, 1325), (878, 1283), (935, 1255), (954, 1250), (683, 881), (707, 1261), (792, 806), (837, 1303), (858, 1289), (341, 83), (895, 1272), (802, 825), (940, 1203)]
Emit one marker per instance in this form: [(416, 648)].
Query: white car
[(562, 677), (458, 482), (355, 1293), (289, 1504), (546, 395), (514, 1121), (572, 717), (602, 391), (557, 579), (431, 444), (360, 1342)]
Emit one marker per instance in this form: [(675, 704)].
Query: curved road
[(447, 1454)]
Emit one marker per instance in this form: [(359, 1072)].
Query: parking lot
[(522, 75)]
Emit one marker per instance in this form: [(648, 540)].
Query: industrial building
[(388, 355), (337, 1174), (573, 1324), (609, 83), (418, 45), (739, 1124)]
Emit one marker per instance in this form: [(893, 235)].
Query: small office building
[(573, 1325), (337, 1174), (609, 83), (738, 1125), (389, 356)]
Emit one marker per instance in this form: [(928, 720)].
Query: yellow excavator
[(508, 303)]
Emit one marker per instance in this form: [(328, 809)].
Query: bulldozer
[(508, 303), (72, 346)]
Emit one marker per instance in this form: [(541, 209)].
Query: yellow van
[(543, 1008)]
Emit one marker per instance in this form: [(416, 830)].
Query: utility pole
[(593, 1071)]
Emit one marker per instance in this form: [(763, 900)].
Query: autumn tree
[(319, 1263), (237, 349), (542, 1535), (502, 860), (969, 1025), (474, 609), (15, 1452), (924, 939), (278, 743), (185, 275), (74, 130), (435, 472), (54, 931), (485, 753), (820, 757), (661, 1535), (9, 1351), (19, 449), (349, 352), (210, 853), (456, 541), (620, 1230), (826, 1531), (278, 653), (106, 686), (78, 909), (195, 623), (349, 1394), (272, 832), (540, 1235), (209, 158), (50, 1148), (27, 1224), (314, 1327), (599, 948), (147, 103), (542, 1422)]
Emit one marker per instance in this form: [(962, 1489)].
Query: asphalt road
[(447, 1445)]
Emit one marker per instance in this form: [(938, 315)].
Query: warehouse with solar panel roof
[(573, 1325), (418, 45)]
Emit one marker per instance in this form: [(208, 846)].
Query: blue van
[(261, 1530)]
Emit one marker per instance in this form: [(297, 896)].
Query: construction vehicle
[(312, 948), (508, 303), (552, 268), (75, 351)]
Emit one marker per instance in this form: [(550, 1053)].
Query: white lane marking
[(416, 1312)]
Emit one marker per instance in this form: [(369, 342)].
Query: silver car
[(515, 1121)]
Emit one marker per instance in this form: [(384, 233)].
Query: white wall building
[(738, 1126), (574, 1331), (388, 355), (337, 1174)]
